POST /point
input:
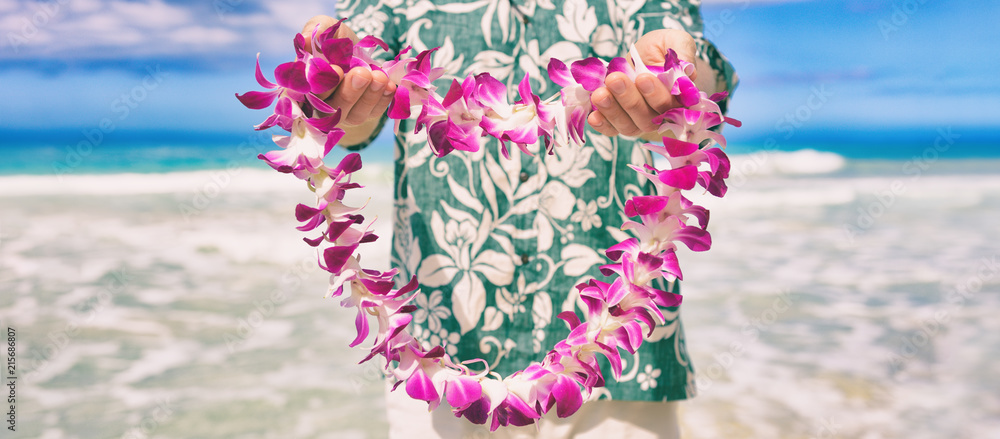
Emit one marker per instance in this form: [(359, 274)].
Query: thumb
[(654, 45)]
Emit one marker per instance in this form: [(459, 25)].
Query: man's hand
[(363, 96), (628, 108)]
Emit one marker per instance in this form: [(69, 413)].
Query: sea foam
[(857, 346), (233, 180), (801, 162)]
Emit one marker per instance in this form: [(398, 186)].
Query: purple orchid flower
[(303, 150), (414, 78), (519, 123), (453, 123), (617, 311), (578, 82), (685, 159)]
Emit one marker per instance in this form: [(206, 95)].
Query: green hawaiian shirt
[(499, 245)]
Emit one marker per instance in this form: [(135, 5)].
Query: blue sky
[(911, 66), (812, 71)]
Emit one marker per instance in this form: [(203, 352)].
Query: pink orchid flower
[(520, 123), (414, 78), (617, 311), (578, 82), (453, 123)]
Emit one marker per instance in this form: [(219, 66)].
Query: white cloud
[(295, 18), (120, 39), (82, 6), (7, 6), (94, 24), (95, 29), (154, 15), (10, 23), (199, 35)]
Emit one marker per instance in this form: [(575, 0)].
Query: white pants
[(603, 419)]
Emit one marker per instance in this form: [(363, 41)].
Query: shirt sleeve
[(376, 18), (723, 68)]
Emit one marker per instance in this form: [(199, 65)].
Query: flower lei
[(469, 111)]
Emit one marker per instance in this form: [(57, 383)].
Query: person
[(499, 245)]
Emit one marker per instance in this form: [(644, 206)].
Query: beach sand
[(186, 305)]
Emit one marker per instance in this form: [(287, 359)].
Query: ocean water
[(843, 297)]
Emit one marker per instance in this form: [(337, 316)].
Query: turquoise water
[(92, 152)]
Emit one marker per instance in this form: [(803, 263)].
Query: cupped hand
[(363, 95), (627, 107)]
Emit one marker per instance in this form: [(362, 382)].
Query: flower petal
[(292, 75), (559, 73), (321, 76), (361, 324), (684, 177), (589, 72), (686, 91), (336, 256), (260, 76), (678, 148), (419, 386), (400, 107), (257, 100), (619, 64), (463, 391), (567, 396)]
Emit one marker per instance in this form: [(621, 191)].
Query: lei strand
[(471, 110)]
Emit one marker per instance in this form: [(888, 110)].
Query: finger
[(601, 124), (613, 112), (631, 101), (383, 103), (366, 103), (655, 93), (350, 90)]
